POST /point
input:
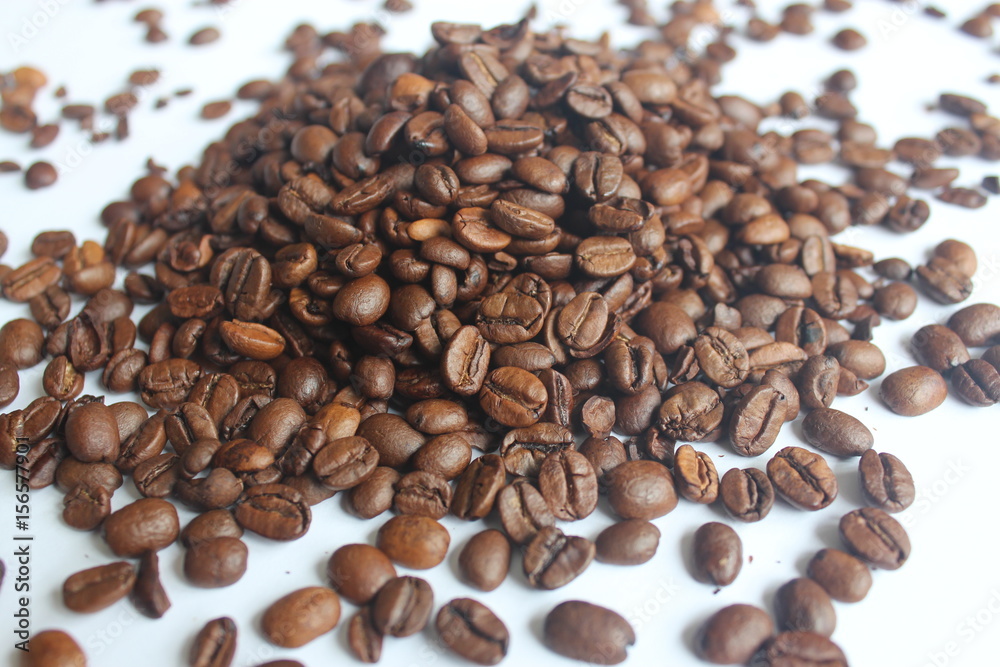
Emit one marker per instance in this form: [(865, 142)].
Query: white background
[(942, 608)]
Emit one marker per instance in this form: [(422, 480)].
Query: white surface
[(942, 608)]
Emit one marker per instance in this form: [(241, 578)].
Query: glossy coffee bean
[(589, 633)]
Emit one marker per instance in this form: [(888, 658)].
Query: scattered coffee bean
[(589, 633)]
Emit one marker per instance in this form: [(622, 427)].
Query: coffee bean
[(977, 325), (695, 475), (345, 462), (98, 587), (524, 449), (148, 594), (913, 391), (148, 524), (843, 576), (374, 496), (977, 382), (690, 411), (802, 478), (817, 381), (402, 607), (523, 510), (478, 486), (862, 358), (423, 494), (416, 542), (472, 631), (363, 639), (215, 644), (552, 559), (40, 175), (85, 507), (301, 616), (836, 432), (485, 560), (939, 347), (641, 490), (733, 634), (944, 281), (568, 484), (21, 343), (589, 633), (30, 279), (10, 384), (886, 482), (54, 648), (215, 562), (274, 511), (747, 495), (718, 554), (875, 537), (756, 420), (358, 571), (802, 648), (802, 605)]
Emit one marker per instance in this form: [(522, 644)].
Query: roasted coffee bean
[(977, 382), (836, 432), (817, 381), (802, 648), (913, 391), (586, 324), (690, 411), (844, 577), (30, 279), (478, 486), (802, 478), (485, 560), (301, 616), (85, 507), (568, 484), (54, 648), (472, 631), (756, 420), (630, 542), (402, 607), (944, 281), (215, 562), (364, 641), (215, 644), (718, 554), (733, 634), (641, 490), (885, 481), (802, 605), (10, 384), (210, 525), (345, 462), (875, 537), (552, 559), (394, 439), (274, 511), (51, 307), (589, 633), (523, 510), (148, 524), (447, 455), (939, 347), (695, 475), (21, 343), (977, 325), (513, 397), (374, 496), (98, 587), (156, 476), (747, 495), (166, 384), (417, 542), (524, 449), (358, 571), (423, 494)]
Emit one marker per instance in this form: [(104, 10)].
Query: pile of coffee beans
[(499, 280)]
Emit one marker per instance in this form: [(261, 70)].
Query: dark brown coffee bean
[(345, 462), (374, 496), (417, 542), (148, 524), (363, 639), (523, 511), (690, 411), (166, 384), (472, 631), (747, 495), (802, 605), (977, 325), (210, 525), (156, 476), (61, 381), (394, 439), (553, 559), (215, 644), (630, 542), (402, 607), (844, 577), (485, 560), (10, 384), (802, 478), (875, 537), (913, 391), (695, 475), (423, 494), (51, 307), (31, 279), (641, 490), (215, 562), (977, 382), (718, 554), (21, 343), (836, 432), (478, 486), (85, 507), (733, 634), (939, 347), (98, 587), (568, 484), (885, 481), (803, 648), (274, 511), (54, 647), (40, 175), (756, 420), (589, 633), (944, 281), (358, 571), (301, 616)]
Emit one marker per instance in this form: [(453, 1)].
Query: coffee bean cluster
[(499, 280)]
